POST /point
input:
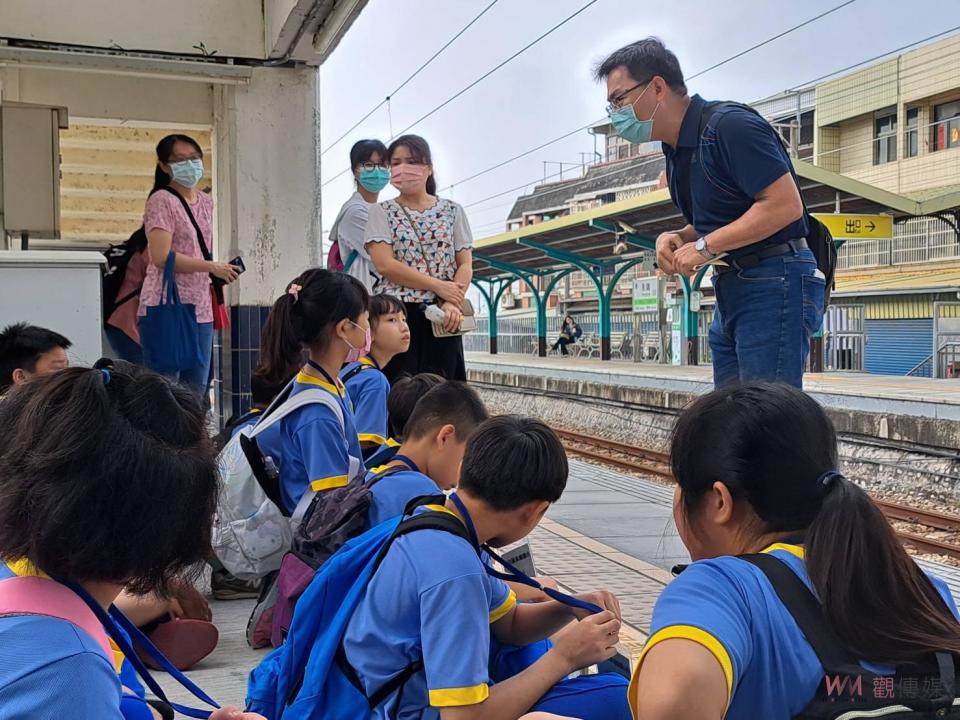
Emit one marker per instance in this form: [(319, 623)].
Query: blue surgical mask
[(375, 179), (629, 127), (187, 172)]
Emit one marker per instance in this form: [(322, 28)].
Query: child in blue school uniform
[(366, 384), (428, 461), (403, 397), (434, 438), (133, 446), (756, 469), (315, 448), (432, 599)]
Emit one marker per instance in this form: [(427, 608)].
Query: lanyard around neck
[(513, 573)]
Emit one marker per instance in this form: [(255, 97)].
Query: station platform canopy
[(589, 234), (608, 240)]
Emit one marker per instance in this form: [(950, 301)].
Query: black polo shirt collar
[(690, 125)]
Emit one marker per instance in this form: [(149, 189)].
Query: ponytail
[(775, 449), (280, 352), (315, 300), (876, 598)]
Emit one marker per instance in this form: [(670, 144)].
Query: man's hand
[(667, 245), (687, 259)]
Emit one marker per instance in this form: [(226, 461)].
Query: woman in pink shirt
[(170, 229)]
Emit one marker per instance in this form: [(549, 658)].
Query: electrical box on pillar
[(30, 171)]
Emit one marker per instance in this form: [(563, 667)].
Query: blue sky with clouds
[(548, 90)]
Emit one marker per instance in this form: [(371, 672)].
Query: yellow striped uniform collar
[(305, 379), (795, 550)]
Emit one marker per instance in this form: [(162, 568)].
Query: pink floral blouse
[(164, 212)]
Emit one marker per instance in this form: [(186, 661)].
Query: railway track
[(652, 462)]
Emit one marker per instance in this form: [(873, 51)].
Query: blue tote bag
[(172, 327)]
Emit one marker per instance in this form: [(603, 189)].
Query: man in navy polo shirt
[(732, 179)]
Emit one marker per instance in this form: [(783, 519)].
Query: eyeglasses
[(617, 102), (372, 166)]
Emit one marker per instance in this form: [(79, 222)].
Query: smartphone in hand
[(237, 262)]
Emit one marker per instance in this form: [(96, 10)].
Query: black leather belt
[(751, 260)]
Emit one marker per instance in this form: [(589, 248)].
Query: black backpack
[(115, 270), (819, 239), (849, 691)]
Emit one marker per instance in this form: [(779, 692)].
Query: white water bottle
[(433, 313)]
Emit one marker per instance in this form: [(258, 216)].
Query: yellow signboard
[(857, 227)]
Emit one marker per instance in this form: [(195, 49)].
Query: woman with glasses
[(176, 209), (368, 158), (421, 246)]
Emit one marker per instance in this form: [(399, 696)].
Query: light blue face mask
[(187, 172), (375, 179), (628, 126)]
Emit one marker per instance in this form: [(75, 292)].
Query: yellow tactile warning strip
[(582, 564)]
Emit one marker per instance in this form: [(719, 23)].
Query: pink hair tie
[(294, 290)]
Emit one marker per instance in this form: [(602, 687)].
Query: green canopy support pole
[(605, 324), (527, 277), (585, 265), (491, 313), (690, 324), (644, 242)]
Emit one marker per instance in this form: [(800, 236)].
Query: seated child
[(432, 599), (27, 351), (366, 384), (316, 448), (435, 437), (134, 446), (404, 394)]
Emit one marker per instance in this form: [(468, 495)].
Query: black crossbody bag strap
[(204, 250)]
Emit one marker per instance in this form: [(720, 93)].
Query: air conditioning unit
[(508, 301)]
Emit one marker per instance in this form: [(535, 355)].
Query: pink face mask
[(355, 353), (408, 178)]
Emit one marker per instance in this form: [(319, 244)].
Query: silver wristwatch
[(701, 247)]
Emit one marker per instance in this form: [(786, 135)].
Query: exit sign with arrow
[(844, 226)]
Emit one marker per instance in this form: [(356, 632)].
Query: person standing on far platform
[(732, 179)]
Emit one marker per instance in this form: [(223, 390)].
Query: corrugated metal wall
[(107, 172), (895, 347), (898, 307)]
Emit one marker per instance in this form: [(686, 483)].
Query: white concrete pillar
[(266, 137), (268, 178)]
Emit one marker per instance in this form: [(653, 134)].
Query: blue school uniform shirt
[(430, 598), (51, 668), (390, 495), (368, 390), (728, 606), (309, 447)]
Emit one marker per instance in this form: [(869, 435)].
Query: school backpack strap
[(442, 521), (354, 371), (112, 622), (275, 413), (836, 660), (31, 595), (805, 608)]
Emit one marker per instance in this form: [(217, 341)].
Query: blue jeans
[(196, 378), (124, 347), (764, 318)]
